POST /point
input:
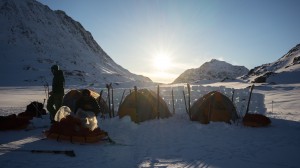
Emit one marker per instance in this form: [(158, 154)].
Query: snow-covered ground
[(173, 142)]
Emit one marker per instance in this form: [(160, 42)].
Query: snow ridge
[(280, 71)]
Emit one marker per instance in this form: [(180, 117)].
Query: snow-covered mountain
[(212, 71), (281, 71), (34, 37)]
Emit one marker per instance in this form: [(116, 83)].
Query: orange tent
[(213, 106)]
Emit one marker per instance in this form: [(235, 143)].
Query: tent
[(72, 96), (213, 106), (143, 105)]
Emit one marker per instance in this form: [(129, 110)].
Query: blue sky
[(162, 38)]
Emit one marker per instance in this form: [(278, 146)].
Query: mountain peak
[(34, 37), (214, 70)]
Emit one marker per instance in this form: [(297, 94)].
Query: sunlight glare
[(162, 62)]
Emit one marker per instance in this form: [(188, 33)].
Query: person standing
[(56, 95)]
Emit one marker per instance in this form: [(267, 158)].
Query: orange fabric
[(213, 106), (256, 120), (70, 128)]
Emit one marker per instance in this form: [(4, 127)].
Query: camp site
[(170, 141), (149, 84)]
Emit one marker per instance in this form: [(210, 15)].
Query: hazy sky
[(162, 38)]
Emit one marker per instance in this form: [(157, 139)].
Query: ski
[(69, 153)]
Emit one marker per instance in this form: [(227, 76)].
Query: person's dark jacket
[(58, 83)]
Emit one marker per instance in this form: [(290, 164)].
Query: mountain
[(212, 71), (281, 71), (34, 37)]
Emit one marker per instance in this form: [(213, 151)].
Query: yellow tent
[(143, 105), (213, 106)]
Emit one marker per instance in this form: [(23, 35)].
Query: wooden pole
[(232, 96), (136, 104), (173, 102), (121, 101), (157, 102), (112, 101), (186, 109), (108, 95), (251, 89), (100, 97), (189, 100)]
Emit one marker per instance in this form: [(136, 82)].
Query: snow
[(34, 37), (174, 142)]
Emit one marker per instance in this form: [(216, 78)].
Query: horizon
[(162, 39)]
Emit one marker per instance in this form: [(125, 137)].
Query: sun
[(162, 61)]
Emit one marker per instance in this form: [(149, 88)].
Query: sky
[(161, 39)]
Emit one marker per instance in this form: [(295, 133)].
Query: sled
[(93, 138), (13, 122), (256, 120), (72, 129)]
